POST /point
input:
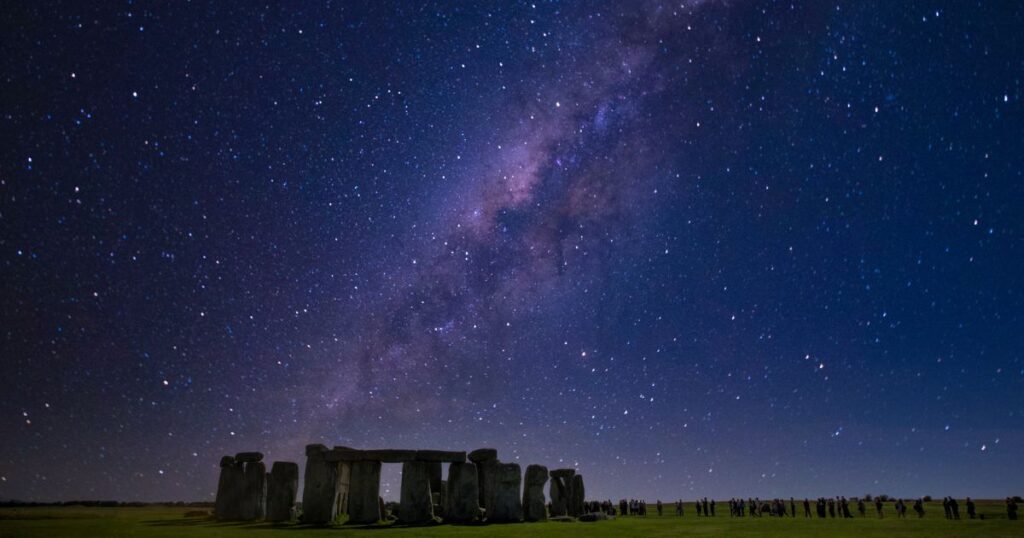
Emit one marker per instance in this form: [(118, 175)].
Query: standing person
[(954, 507), (659, 507), (1011, 509), (792, 507), (706, 512), (899, 508), (947, 508), (807, 507), (878, 507), (919, 508), (712, 508), (970, 508), (831, 508), (679, 508), (860, 507), (699, 511)]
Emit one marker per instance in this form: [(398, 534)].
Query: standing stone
[(559, 497), (364, 505), (508, 505), (322, 489), (282, 488), (416, 504), (486, 459), (440, 499), (578, 497), (533, 493), (230, 489), (254, 496), (463, 494)]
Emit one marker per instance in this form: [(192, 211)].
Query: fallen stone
[(249, 457), (508, 507), (562, 519), (593, 516), (534, 508), (282, 488), (483, 454), (364, 502), (440, 456), (416, 505), (463, 495)]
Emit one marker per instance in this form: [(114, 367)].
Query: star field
[(702, 247)]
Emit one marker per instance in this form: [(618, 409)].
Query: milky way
[(695, 248)]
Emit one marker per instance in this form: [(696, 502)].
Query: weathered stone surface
[(463, 496), (440, 456), (388, 455), (254, 497), (323, 488), (315, 449), (416, 504), (508, 506), (282, 488), (577, 496), (249, 457), (593, 516), (483, 454), (230, 490), (534, 508), (339, 454), (485, 480), (563, 473), (364, 493), (559, 497), (227, 461)]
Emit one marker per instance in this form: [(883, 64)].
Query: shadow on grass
[(262, 525)]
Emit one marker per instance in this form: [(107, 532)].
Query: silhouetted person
[(807, 508), (700, 510), (1011, 509), (792, 507), (831, 508), (860, 507), (970, 508), (900, 511), (954, 507), (712, 508), (947, 508), (878, 507), (919, 508), (659, 507)]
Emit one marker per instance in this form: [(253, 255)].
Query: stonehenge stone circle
[(507, 507), (282, 488), (347, 480), (534, 508), (364, 493), (463, 495), (417, 505)]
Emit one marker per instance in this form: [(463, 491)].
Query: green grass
[(170, 521)]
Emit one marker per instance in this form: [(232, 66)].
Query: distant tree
[(927, 498), (883, 497), (868, 497)]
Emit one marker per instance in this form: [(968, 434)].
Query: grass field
[(171, 521)]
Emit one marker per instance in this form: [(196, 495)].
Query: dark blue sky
[(695, 248)]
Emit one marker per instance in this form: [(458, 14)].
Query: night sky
[(736, 247)]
